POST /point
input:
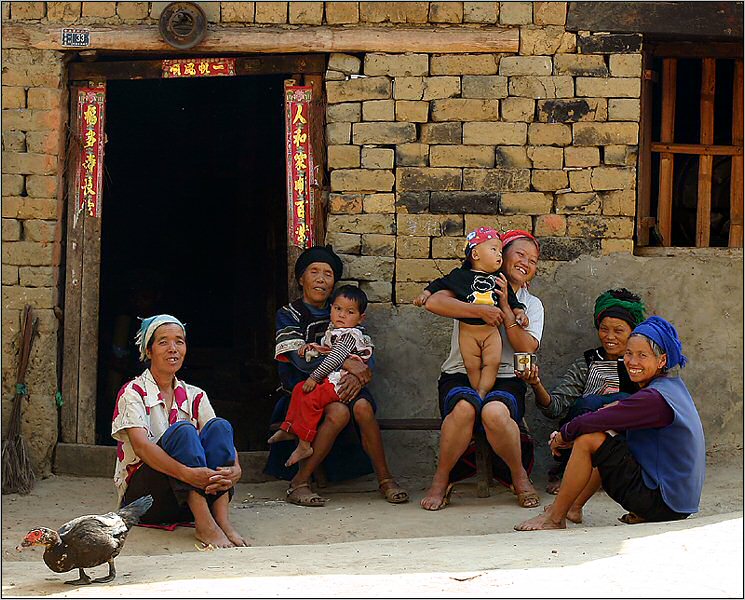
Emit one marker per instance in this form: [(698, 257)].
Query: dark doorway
[(194, 225)]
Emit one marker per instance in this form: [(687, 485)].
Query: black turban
[(322, 254)]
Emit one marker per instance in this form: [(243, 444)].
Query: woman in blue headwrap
[(647, 450), (170, 443), (597, 377)]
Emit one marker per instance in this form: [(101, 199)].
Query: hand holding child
[(309, 385)]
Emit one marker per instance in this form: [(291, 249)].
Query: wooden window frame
[(705, 149)]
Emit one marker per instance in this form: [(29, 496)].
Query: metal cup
[(525, 360)]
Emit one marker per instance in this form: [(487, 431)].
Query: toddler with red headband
[(479, 281)]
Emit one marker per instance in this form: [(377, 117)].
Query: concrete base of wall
[(700, 293)]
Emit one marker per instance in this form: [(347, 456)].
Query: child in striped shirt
[(344, 338)]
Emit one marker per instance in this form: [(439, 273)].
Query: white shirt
[(533, 309)]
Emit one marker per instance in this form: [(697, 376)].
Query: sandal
[(445, 498), (394, 494), (527, 499), (311, 499), (631, 519)]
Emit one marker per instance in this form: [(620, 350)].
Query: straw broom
[(18, 475)]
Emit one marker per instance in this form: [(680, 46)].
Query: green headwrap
[(620, 304)]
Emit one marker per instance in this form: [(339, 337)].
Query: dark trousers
[(211, 447)]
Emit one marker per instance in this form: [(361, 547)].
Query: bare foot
[(437, 496), (280, 436), (233, 535), (540, 522), (214, 536), (573, 514), (299, 454), (553, 486)]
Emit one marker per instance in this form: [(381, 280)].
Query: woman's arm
[(154, 456), (445, 304), (646, 409), (555, 404)]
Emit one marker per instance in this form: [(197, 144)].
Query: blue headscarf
[(147, 329), (664, 334)]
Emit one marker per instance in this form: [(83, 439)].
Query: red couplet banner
[(198, 67), (300, 167), (91, 106)]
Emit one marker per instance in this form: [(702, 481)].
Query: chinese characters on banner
[(91, 102), (198, 67), (300, 171)]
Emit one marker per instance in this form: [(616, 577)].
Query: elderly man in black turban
[(345, 423)]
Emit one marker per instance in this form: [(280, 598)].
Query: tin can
[(525, 360)]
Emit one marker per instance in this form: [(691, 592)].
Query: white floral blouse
[(140, 404)]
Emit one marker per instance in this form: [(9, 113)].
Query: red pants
[(306, 410)]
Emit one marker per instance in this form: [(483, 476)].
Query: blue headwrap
[(664, 334), (147, 329)]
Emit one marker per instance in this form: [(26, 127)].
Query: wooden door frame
[(83, 245)]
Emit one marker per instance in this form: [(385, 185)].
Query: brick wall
[(32, 121), (423, 148)]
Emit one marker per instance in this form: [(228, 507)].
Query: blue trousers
[(211, 447)]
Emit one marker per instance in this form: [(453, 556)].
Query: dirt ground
[(362, 545)]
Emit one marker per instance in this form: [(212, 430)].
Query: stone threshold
[(85, 460)]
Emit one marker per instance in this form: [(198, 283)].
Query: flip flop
[(395, 494), (312, 499), (445, 498)]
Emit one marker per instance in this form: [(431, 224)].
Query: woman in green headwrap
[(596, 378)]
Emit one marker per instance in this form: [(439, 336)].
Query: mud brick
[(480, 12), (383, 133), (397, 65), (525, 65), (442, 133), (526, 203), (463, 64), (464, 202), (412, 155), (343, 157), (497, 180), (378, 180), (609, 43), (515, 13), (427, 179), (342, 13), (345, 203), (541, 40), (461, 156), (378, 110), (592, 65), (412, 202), (344, 63), (465, 109), (571, 111), (413, 247), (429, 225), (368, 88), (584, 203), (495, 133), (564, 248)]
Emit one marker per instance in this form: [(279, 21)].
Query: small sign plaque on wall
[(76, 38)]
